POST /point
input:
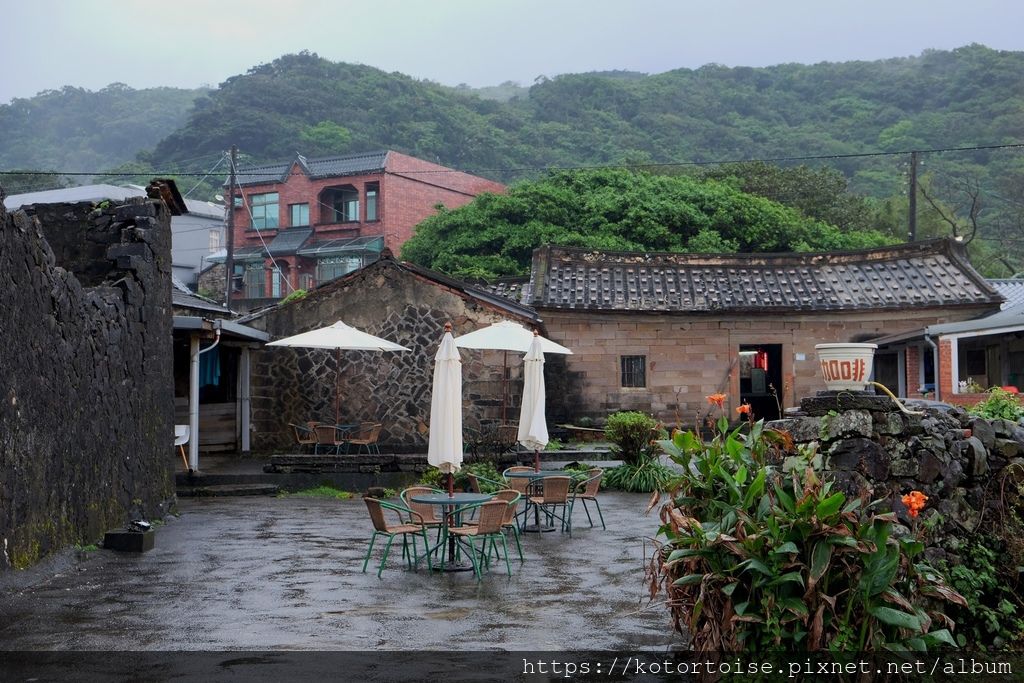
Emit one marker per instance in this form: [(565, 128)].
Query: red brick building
[(322, 218)]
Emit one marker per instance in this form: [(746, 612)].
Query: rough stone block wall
[(86, 387), (871, 449), (691, 356), (393, 388)]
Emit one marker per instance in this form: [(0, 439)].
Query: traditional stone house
[(397, 301), (659, 332), (307, 221)]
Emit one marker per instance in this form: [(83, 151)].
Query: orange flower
[(717, 400), (744, 409), (915, 501)]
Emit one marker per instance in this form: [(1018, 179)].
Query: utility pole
[(229, 261), (912, 197)]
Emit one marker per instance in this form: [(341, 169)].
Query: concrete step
[(220, 490)]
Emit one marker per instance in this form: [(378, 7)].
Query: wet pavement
[(285, 573)]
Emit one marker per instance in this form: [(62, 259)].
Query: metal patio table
[(451, 504)]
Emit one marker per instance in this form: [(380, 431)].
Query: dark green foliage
[(756, 559), (489, 478), (993, 615), (1000, 404), (614, 209), (631, 434), (644, 476)]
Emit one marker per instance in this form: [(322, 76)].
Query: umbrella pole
[(504, 386), (337, 385), (536, 460), (451, 485)]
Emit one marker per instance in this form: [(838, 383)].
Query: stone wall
[(393, 388), (868, 447), (690, 356), (86, 414)]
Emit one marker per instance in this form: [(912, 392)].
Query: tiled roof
[(288, 241), (515, 288), (327, 167), (1012, 291), (183, 297), (934, 273)]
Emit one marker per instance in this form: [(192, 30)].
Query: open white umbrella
[(340, 337), (507, 336), (533, 427), (444, 450)]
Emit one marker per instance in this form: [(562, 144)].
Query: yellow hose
[(903, 409)]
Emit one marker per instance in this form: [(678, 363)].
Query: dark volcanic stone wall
[(86, 408), (383, 299)]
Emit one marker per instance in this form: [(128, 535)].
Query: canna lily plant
[(753, 557)]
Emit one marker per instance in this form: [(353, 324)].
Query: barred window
[(634, 371)]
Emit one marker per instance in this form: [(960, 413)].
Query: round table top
[(538, 474), (454, 499)]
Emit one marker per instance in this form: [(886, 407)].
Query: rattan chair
[(426, 514), (511, 497), (488, 529), (329, 436), (404, 529), (520, 484), (366, 438), (587, 490), (555, 495), (305, 435)]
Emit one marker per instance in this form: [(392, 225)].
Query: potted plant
[(846, 366)]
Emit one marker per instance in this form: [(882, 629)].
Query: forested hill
[(969, 96), (73, 129)]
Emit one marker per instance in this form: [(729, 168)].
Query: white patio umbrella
[(507, 336), (340, 337), (444, 450), (533, 427)]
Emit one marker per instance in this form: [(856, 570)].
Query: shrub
[(434, 477), (631, 434), (297, 295), (1000, 404), (992, 617), (757, 559), (644, 477)]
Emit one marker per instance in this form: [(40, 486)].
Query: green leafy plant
[(489, 478), (757, 559), (993, 615), (1000, 404), (631, 434), (297, 295), (643, 477), (554, 445)]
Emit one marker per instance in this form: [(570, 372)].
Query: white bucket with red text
[(846, 367)]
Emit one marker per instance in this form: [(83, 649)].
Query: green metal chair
[(488, 529), (382, 528)]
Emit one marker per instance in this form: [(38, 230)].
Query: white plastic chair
[(181, 436)]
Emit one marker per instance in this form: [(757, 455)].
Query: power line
[(521, 169)]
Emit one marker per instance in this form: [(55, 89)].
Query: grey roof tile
[(934, 273), (327, 167), (1011, 289)]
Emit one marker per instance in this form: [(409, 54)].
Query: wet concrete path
[(285, 573)]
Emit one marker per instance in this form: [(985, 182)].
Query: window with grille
[(255, 281), (264, 211), (634, 371), (333, 267)]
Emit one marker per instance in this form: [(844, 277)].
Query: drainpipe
[(935, 366), (193, 397)]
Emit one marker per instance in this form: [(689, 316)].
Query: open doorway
[(761, 379)]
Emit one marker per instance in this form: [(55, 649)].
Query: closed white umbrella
[(340, 337), (533, 426), (444, 450)]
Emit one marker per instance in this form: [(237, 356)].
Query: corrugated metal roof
[(934, 273), (183, 297), (326, 167), (288, 241), (1011, 289)]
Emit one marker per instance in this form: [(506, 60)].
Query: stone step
[(220, 490)]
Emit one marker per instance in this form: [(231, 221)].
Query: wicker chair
[(426, 515), (366, 438), (555, 495), (520, 484), (305, 435), (587, 490), (488, 529), (382, 528), (511, 497), (329, 436)]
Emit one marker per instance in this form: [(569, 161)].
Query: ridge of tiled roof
[(931, 273), (323, 167)]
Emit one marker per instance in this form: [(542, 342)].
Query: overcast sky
[(46, 44)]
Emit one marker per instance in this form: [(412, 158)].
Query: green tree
[(325, 138), (614, 209)]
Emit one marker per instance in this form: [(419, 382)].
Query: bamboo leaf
[(787, 547), (688, 580), (821, 555), (830, 505)]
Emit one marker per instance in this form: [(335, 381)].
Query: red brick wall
[(945, 375), (913, 370)]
